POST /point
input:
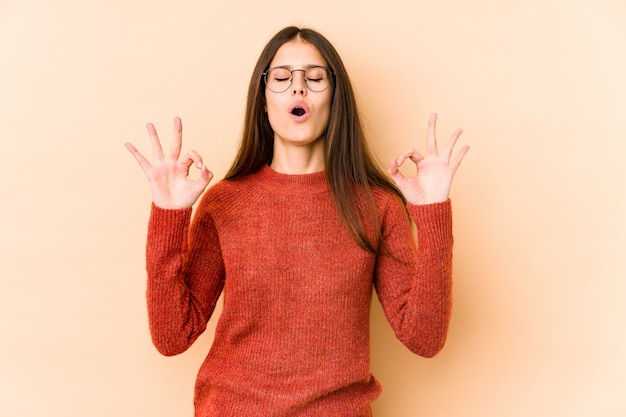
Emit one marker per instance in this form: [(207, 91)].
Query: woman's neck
[(294, 159)]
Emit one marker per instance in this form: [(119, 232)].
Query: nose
[(298, 83)]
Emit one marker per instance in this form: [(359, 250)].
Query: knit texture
[(293, 336)]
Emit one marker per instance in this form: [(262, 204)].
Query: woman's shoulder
[(389, 204), (230, 186), (385, 198), (226, 193)]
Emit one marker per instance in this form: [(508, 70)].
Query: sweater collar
[(292, 184)]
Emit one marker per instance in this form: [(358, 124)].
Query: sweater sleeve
[(414, 283), (185, 277)]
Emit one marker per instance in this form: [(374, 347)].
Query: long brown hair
[(351, 170)]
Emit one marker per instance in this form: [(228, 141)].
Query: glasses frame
[(328, 70)]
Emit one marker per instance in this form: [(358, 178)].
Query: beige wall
[(538, 85)]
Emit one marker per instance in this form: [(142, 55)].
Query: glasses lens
[(278, 79), (317, 79)]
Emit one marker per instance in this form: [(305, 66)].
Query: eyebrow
[(306, 67)]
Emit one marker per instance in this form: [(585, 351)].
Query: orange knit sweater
[(293, 336)]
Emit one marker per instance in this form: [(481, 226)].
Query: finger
[(393, 167), (143, 162), (459, 158), (408, 154), (431, 141), (192, 158), (177, 143), (205, 174), (395, 173), (447, 152), (156, 144), (417, 157)]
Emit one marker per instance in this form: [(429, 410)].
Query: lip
[(304, 107)]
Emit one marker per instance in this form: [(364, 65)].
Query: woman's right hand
[(169, 178)]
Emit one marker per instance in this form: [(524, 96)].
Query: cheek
[(265, 101), (276, 119), (271, 108), (326, 112), (325, 118)]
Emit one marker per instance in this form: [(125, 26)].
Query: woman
[(296, 236)]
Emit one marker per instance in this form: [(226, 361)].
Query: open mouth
[(298, 111)]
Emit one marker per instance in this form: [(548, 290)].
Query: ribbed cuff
[(168, 228), (433, 222)]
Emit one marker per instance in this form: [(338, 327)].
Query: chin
[(299, 138)]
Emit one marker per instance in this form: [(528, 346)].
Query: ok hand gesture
[(169, 178), (434, 175)]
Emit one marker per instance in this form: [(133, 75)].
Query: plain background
[(539, 86)]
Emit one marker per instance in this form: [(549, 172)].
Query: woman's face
[(298, 116)]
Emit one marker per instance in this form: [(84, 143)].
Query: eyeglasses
[(316, 78)]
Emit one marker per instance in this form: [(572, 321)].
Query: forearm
[(418, 294), (176, 319), (430, 305)]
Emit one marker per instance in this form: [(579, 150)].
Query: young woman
[(296, 236)]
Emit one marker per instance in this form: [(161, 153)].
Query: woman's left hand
[(434, 175)]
